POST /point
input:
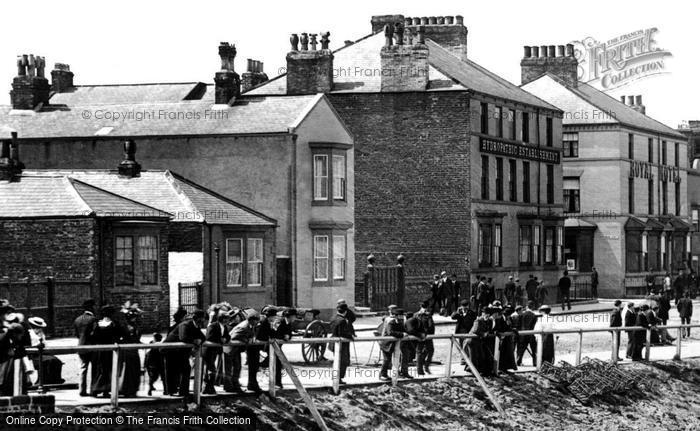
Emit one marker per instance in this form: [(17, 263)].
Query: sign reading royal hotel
[(501, 148), (645, 170)]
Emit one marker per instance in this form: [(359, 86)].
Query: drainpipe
[(539, 163), (293, 221)]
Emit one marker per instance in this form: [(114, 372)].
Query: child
[(154, 364)]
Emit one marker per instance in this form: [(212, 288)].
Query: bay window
[(330, 171), (329, 256)]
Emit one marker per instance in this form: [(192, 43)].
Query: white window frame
[(252, 259), (234, 262), (339, 177), (536, 245), (340, 260), (497, 243), (317, 257), (560, 245), (319, 179)]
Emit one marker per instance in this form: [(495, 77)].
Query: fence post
[(336, 367), (40, 371), (198, 376), (678, 343), (396, 363), (400, 281), (647, 353), (448, 366), (579, 347), (369, 281), (496, 354), (540, 349), (615, 346), (50, 312), (114, 387), (273, 369), (17, 377)]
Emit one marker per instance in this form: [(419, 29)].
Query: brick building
[(289, 157), (452, 161), (625, 178), (116, 235)]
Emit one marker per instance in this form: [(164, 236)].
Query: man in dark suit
[(244, 332), (685, 311), (528, 319), (457, 292), (393, 327), (640, 336), (178, 361), (284, 332), (216, 333), (565, 289), (630, 320), (342, 328), (465, 317), (616, 322), (84, 325), (531, 288)]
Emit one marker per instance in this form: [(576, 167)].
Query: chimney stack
[(635, 102), (228, 83), (10, 164), (129, 167), (309, 71), (557, 60), (253, 76), (30, 88), (404, 67), (61, 78), (447, 31)]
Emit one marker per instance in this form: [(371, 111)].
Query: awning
[(571, 172)]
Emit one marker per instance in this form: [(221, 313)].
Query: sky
[(170, 41)]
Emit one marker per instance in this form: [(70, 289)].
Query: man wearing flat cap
[(84, 325), (393, 327), (284, 332), (342, 327)]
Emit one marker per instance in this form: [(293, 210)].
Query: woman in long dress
[(105, 332), (507, 347), (130, 359), (479, 352)]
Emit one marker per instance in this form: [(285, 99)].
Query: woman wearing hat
[(11, 336), (480, 353), (130, 359), (104, 332)]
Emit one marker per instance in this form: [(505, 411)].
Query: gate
[(384, 285), (190, 295)]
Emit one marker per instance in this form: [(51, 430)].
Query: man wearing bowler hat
[(84, 325)]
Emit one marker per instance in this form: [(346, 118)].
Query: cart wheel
[(312, 353)]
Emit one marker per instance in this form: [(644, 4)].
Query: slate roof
[(125, 93), (163, 190), (587, 94), (61, 196), (246, 116), (355, 67)]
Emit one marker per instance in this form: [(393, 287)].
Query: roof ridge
[(136, 84), (75, 180)]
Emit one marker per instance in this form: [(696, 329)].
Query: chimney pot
[(424, 20), (630, 100), (535, 51), (459, 20), (543, 51), (416, 20), (228, 83), (129, 166), (638, 100), (441, 20), (622, 99), (527, 52), (569, 50), (561, 50), (450, 20), (552, 51), (61, 78), (432, 20), (408, 21)]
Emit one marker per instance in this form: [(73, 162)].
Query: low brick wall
[(28, 404)]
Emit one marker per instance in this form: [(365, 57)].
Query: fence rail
[(116, 348)]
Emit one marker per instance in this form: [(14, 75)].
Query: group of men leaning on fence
[(483, 322), (222, 332), (649, 315)]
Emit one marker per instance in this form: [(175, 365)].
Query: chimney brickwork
[(61, 78), (404, 67), (30, 88), (447, 31), (557, 60), (309, 71), (253, 76), (10, 164), (227, 82)]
